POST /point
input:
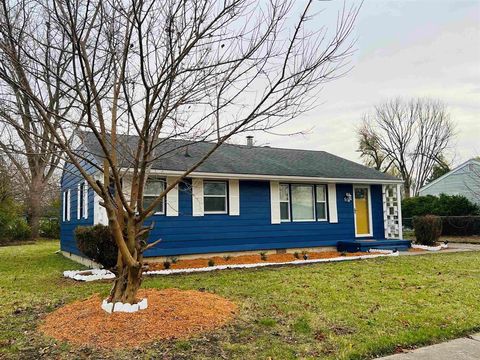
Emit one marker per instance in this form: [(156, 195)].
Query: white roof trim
[(209, 175), (459, 167)]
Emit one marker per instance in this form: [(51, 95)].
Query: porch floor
[(365, 245)]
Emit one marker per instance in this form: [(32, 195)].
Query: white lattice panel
[(391, 211)]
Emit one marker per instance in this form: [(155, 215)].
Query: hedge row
[(443, 205), (461, 225)]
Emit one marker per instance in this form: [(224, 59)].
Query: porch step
[(365, 245)]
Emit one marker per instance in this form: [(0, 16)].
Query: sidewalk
[(466, 348)]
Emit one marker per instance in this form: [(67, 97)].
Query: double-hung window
[(303, 199), (154, 187), (215, 197), (303, 202), (284, 202), (321, 202)]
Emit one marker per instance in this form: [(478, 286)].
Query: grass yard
[(349, 310)]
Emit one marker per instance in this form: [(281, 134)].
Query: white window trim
[(369, 211), (275, 202), (332, 203), (85, 200), (216, 196), (325, 191), (172, 198), (156, 195), (66, 200), (233, 197), (78, 201)]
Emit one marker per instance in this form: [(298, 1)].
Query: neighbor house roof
[(451, 172), (179, 155)]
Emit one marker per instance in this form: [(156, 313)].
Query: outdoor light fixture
[(348, 197)]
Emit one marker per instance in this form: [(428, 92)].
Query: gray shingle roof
[(179, 155)]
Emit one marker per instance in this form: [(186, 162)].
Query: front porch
[(366, 245)]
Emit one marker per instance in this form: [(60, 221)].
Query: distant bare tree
[(411, 136), (370, 150), (193, 70), (24, 139)]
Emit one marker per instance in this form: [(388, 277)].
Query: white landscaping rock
[(263, 264), (100, 274), (430, 248), (110, 307), (142, 305), (89, 275)]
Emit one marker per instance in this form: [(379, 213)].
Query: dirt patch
[(248, 259), (416, 250), (171, 314)]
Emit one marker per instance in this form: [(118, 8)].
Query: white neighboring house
[(463, 180)]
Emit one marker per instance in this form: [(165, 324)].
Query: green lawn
[(349, 310)]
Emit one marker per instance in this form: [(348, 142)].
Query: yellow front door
[(362, 213)]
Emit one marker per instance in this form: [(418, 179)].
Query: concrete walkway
[(466, 348)]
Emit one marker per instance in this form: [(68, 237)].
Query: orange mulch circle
[(171, 313), (248, 259)]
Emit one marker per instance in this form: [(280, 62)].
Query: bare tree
[(370, 150), (24, 138), (192, 70), (412, 136)]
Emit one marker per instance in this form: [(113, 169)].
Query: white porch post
[(399, 208)]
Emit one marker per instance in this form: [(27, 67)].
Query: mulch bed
[(171, 314), (248, 259)]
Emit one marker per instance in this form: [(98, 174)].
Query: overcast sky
[(428, 48)]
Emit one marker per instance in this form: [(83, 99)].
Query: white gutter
[(198, 174)]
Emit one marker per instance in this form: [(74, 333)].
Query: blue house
[(249, 198)]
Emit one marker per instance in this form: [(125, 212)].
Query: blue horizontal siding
[(252, 230), (71, 177)]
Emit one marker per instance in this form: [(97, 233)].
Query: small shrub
[(166, 265), (13, 227), (263, 255), (174, 260), (211, 262), (227, 257), (427, 229), (96, 243), (19, 229), (296, 255), (50, 228)]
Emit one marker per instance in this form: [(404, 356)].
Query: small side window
[(215, 197), (284, 202), (153, 188), (321, 204)]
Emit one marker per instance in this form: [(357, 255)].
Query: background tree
[(411, 136), (24, 139), (192, 70), (438, 170)]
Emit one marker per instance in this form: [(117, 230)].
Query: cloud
[(405, 49)]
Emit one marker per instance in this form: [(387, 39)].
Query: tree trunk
[(129, 278), (34, 207), (126, 285)]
